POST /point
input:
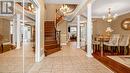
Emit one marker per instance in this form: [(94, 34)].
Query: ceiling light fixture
[(64, 9), (109, 17)]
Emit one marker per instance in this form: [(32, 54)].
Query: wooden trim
[(112, 64)]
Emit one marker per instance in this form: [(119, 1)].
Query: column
[(11, 32), (14, 32), (38, 51), (78, 31), (89, 30), (18, 30)]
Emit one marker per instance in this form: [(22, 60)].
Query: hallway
[(69, 60)]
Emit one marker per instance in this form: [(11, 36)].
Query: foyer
[(65, 36), (69, 60)]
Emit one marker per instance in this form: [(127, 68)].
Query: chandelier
[(109, 29), (30, 7), (67, 8), (64, 9), (109, 17)]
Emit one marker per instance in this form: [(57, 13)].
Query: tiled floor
[(69, 60), (13, 61)]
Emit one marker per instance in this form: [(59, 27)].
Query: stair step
[(50, 51), (49, 22), (49, 25), (49, 32), (51, 46), (49, 37), (50, 42), (50, 29)]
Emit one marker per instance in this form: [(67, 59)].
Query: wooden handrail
[(58, 19)]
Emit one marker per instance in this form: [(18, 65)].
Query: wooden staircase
[(51, 43)]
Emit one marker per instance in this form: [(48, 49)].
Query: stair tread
[(48, 41), (50, 51), (51, 44)]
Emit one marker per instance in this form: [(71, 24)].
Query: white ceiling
[(100, 7), (22, 0), (63, 1)]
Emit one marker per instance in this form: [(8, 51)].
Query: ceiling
[(22, 0), (100, 7), (63, 1)]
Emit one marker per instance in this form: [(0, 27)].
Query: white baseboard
[(43, 55), (18, 47), (90, 56)]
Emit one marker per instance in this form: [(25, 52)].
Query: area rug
[(125, 60)]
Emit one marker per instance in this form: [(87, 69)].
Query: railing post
[(59, 39)]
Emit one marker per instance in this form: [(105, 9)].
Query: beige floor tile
[(68, 60)]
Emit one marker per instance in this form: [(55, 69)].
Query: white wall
[(50, 12), (63, 27)]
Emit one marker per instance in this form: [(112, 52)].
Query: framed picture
[(126, 24)]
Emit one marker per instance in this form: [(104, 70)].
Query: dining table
[(102, 39)]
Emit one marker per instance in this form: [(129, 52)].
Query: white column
[(38, 54), (14, 31), (78, 31), (18, 30), (89, 30)]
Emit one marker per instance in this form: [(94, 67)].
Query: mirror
[(126, 24)]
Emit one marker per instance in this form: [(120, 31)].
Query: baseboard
[(18, 47), (42, 56)]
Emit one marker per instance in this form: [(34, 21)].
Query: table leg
[(2, 48), (101, 49)]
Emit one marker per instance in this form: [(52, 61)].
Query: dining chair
[(112, 45), (96, 44), (124, 44)]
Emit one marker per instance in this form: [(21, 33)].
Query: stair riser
[(51, 46), (52, 42), (50, 33), (47, 39), (48, 52), (49, 28)]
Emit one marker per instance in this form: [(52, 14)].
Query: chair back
[(124, 41), (1, 38), (114, 39)]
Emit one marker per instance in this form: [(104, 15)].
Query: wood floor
[(113, 65)]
